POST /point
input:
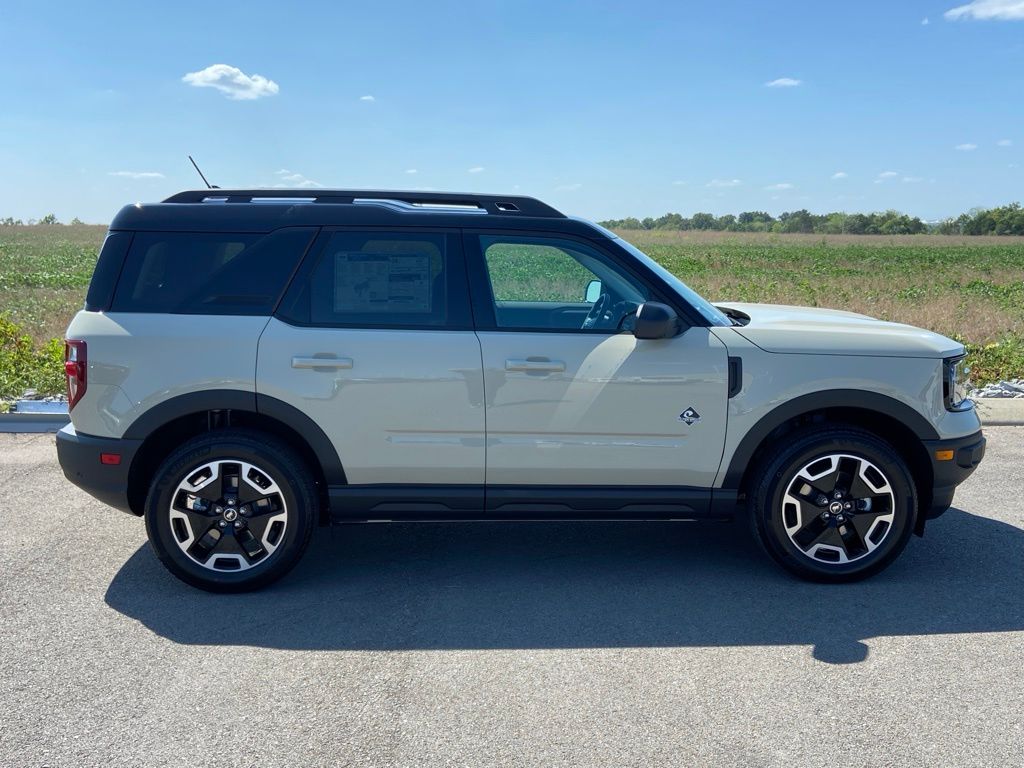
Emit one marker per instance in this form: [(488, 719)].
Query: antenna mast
[(208, 184)]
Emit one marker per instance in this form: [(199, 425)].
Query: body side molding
[(393, 502)]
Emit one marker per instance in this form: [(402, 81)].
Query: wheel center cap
[(230, 514), (835, 508)]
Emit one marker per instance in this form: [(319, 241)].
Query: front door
[(572, 397)]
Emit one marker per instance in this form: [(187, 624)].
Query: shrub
[(997, 361), (23, 365)]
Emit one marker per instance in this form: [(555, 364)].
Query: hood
[(812, 331)]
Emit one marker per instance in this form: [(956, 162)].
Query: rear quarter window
[(209, 273), (108, 267)]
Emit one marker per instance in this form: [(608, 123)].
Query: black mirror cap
[(655, 321)]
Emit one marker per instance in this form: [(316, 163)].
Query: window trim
[(456, 280), (483, 296)]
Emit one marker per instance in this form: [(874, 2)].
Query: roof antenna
[(208, 184)]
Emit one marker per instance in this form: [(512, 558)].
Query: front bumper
[(947, 474), (79, 457)]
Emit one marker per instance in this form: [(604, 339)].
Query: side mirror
[(655, 321), (593, 292)]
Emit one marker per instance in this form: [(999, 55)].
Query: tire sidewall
[(274, 459), (782, 471)]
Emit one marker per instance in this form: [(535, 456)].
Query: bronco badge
[(689, 416)]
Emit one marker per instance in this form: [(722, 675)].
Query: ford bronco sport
[(250, 364)]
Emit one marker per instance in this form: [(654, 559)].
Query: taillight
[(75, 366)]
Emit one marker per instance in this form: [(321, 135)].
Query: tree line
[(47, 220), (1007, 220)]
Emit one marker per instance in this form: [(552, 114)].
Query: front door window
[(557, 284)]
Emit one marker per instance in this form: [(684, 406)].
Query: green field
[(970, 288)]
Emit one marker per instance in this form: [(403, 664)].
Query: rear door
[(573, 398), (374, 341)]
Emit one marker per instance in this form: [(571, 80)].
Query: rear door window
[(207, 273), (383, 279)]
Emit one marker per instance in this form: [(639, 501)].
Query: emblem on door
[(689, 416)]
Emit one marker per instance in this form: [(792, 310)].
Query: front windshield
[(708, 311)]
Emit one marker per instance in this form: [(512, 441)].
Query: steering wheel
[(596, 312)]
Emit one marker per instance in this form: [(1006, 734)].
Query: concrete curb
[(32, 422), (1001, 412)]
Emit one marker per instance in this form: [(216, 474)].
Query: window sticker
[(381, 282)]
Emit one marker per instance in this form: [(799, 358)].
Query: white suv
[(249, 364)]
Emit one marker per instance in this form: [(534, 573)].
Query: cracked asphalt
[(586, 644)]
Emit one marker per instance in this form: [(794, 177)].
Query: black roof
[(263, 210)]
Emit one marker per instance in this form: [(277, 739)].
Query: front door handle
[(322, 362), (534, 365)]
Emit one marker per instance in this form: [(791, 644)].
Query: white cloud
[(367, 98), (411, 171), (233, 82), (912, 179), (724, 183), (784, 82), (289, 180), (475, 169), (988, 10), (840, 175), (965, 147), (886, 176), (567, 187), (925, 22), (1004, 143), (779, 187), (678, 183), (137, 174)]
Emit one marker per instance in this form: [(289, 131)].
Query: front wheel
[(835, 504), (231, 511)]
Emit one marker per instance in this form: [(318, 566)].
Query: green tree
[(797, 221), (703, 221)]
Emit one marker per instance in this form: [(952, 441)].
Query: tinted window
[(384, 279), (554, 284), (209, 273), (108, 267)]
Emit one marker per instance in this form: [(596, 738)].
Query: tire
[(836, 538), (231, 511)]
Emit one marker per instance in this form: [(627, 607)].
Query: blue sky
[(602, 109)]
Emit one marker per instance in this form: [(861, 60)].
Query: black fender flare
[(252, 402), (817, 401)]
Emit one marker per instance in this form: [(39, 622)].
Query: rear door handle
[(531, 365), (322, 362)]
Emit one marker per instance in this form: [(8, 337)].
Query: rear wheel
[(835, 504), (231, 511)]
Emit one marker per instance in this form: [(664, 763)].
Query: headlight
[(954, 388)]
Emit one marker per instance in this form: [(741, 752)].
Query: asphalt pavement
[(485, 644)]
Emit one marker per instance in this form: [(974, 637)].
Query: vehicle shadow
[(587, 585)]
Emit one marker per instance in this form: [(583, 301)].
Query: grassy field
[(970, 288), (965, 287), (44, 273)]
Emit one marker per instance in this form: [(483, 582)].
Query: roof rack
[(447, 201)]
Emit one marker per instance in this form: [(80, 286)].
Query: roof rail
[(494, 204)]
